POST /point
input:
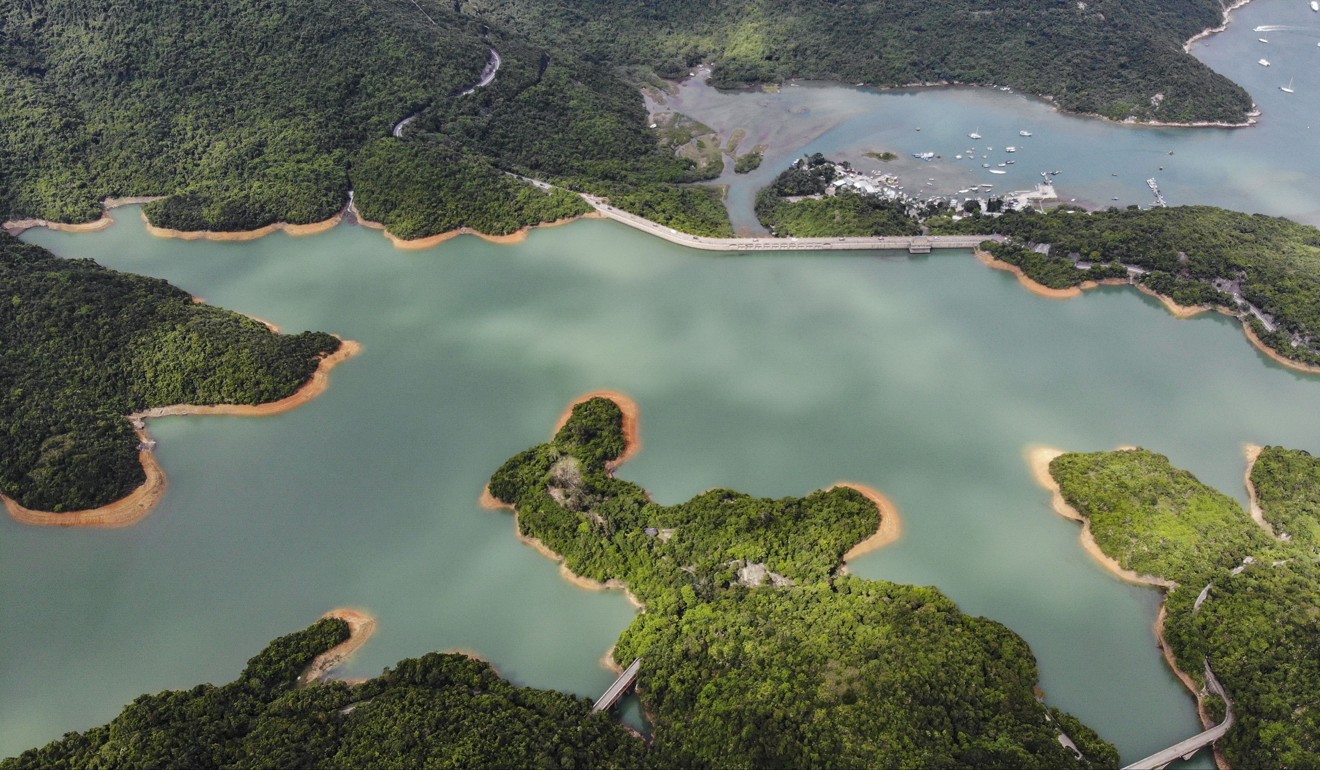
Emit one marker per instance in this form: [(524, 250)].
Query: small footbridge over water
[(621, 685), (1185, 749)]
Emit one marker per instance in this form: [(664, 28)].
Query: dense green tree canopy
[(82, 346), (757, 651), (440, 710), (1260, 618), (1118, 58)]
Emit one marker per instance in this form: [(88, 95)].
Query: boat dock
[(1155, 190)]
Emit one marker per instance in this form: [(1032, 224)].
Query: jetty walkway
[(1185, 749), (621, 685)]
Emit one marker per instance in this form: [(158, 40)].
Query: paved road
[(619, 687), (487, 77), (902, 242), (1184, 749)]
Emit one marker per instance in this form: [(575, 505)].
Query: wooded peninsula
[(1244, 594), (82, 347)]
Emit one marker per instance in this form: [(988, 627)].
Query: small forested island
[(1242, 595), (82, 347), (758, 649), (439, 710)]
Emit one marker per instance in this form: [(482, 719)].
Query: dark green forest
[(440, 710), (757, 651), (250, 112), (1117, 58), (1258, 624), (1197, 255), (82, 346)]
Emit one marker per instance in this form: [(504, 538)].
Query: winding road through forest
[(487, 77)]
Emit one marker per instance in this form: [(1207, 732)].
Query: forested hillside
[(257, 111), (440, 710), (757, 651), (82, 346), (1260, 616), (1117, 58), (251, 112)]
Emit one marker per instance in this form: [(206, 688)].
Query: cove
[(778, 374)]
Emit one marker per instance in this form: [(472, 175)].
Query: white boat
[(1024, 132), (957, 157), (1264, 62), (1010, 149), (975, 134), (1315, 8), (1288, 88), (997, 171), (1263, 40)]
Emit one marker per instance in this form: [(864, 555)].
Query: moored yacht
[(1264, 62)]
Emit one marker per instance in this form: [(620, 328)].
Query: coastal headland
[(1038, 460), (361, 626), (141, 501)]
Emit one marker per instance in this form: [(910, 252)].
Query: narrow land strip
[(360, 628)]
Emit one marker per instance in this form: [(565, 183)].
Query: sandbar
[(1038, 460), (137, 504), (360, 628), (891, 521)]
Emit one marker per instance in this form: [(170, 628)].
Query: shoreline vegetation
[(1243, 582), (726, 571), (90, 352), (443, 709), (361, 627), (1038, 460), (140, 502)]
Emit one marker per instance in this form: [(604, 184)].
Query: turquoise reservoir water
[(926, 377), (777, 375)]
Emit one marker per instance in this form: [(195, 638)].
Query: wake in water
[(1286, 28)]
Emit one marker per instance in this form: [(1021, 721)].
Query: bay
[(927, 377)]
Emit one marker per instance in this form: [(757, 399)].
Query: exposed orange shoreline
[(134, 507), (632, 425), (1038, 460), (1176, 310), (633, 443), (430, 241), (360, 628), (891, 521), (18, 226), (311, 228)]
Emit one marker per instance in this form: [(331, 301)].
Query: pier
[(621, 685), (1155, 190)]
